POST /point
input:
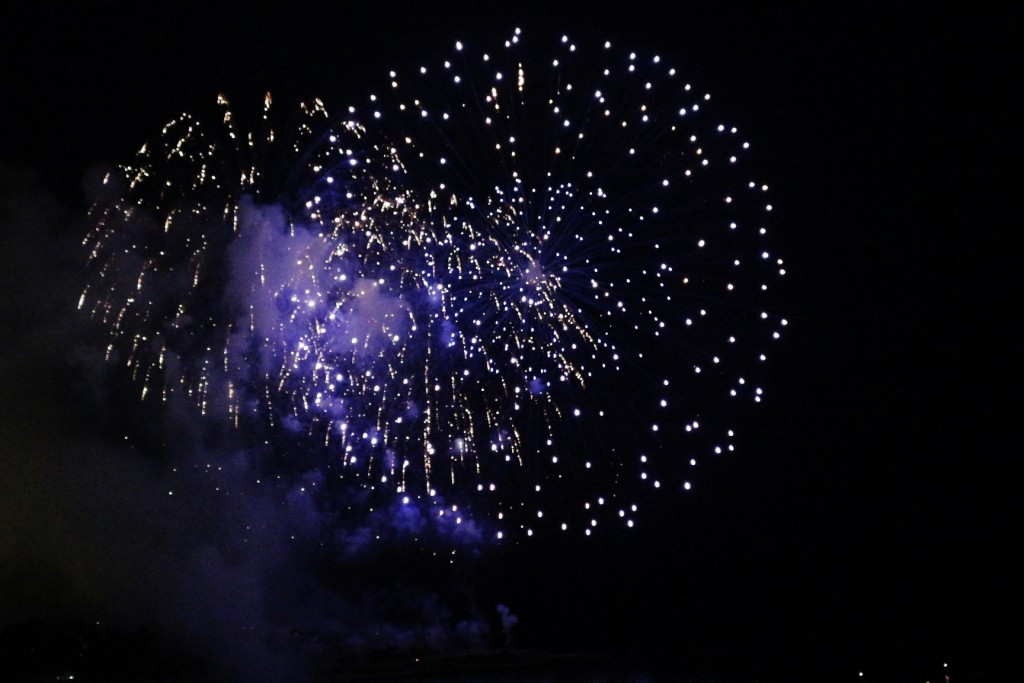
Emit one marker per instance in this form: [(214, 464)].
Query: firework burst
[(523, 286)]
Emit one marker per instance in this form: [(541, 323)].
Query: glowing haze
[(514, 289)]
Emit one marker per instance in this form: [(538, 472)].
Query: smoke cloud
[(144, 515)]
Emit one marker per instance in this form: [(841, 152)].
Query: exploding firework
[(523, 286)]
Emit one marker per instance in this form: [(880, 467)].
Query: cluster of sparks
[(520, 286)]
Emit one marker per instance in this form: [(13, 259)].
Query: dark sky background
[(872, 519)]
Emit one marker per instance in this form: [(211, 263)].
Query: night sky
[(871, 518)]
